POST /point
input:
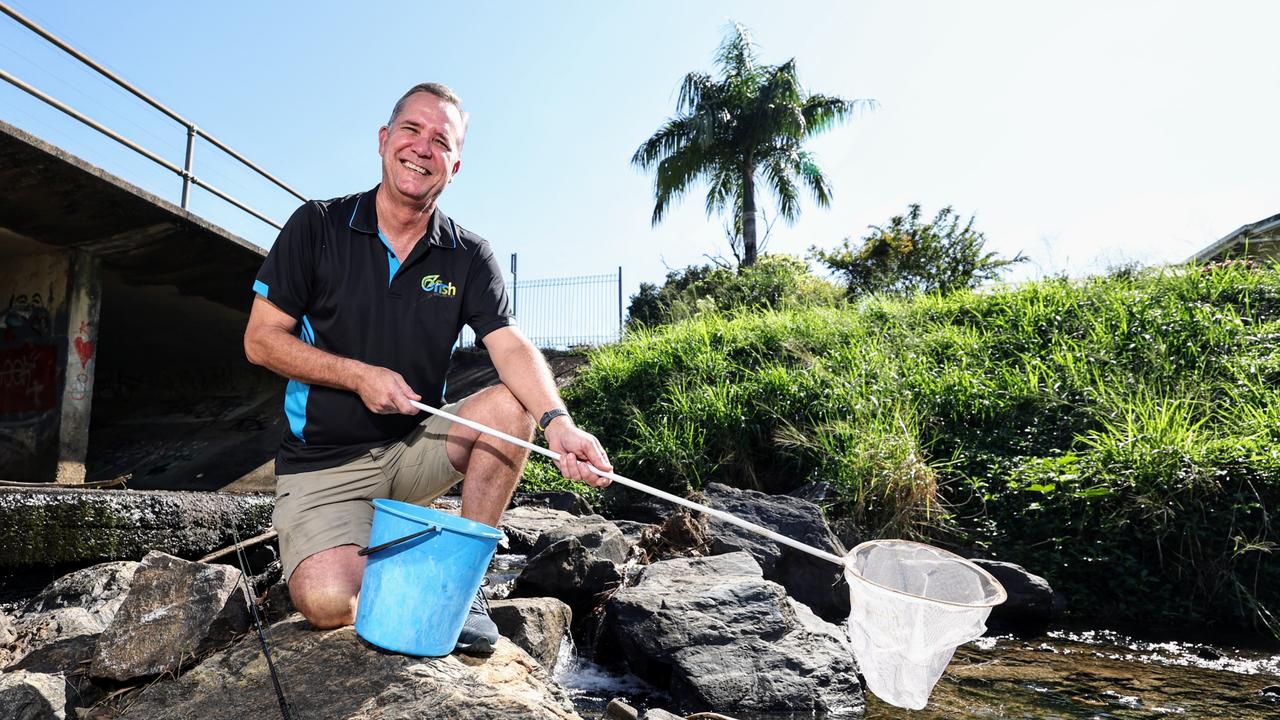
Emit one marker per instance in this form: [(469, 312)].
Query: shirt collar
[(441, 230)]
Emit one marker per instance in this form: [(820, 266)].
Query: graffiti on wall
[(28, 355)]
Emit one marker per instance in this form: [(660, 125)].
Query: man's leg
[(491, 467), (326, 586), (323, 518)]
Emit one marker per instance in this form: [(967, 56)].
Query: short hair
[(441, 91)]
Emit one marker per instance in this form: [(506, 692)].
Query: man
[(359, 304)]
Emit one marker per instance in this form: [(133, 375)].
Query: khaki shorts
[(326, 508)]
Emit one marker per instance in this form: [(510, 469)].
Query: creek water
[(1087, 675), (1065, 675)]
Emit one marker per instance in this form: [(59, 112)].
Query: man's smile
[(416, 168)]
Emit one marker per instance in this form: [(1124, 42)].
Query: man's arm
[(270, 341), (524, 371)]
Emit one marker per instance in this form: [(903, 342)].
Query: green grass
[(1116, 435)]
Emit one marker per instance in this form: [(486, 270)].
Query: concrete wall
[(47, 337)]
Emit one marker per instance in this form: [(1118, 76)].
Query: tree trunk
[(748, 218)]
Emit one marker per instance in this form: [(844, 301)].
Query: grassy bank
[(1118, 435)]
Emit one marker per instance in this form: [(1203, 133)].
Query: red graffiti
[(27, 379), (84, 348)]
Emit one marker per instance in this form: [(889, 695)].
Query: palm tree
[(747, 126)]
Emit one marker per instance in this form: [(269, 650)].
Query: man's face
[(421, 149)]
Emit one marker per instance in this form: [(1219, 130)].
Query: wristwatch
[(550, 415)]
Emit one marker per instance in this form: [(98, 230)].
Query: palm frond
[(676, 174), (822, 112), (723, 190), (778, 173), (673, 136), (811, 175)]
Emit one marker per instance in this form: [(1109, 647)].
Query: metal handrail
[(186, 173)]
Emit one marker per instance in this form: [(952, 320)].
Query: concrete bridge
[(121, 317)]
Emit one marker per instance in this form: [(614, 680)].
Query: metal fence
[(559, 313), (187, 171)]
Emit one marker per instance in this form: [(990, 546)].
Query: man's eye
[(442, 143)]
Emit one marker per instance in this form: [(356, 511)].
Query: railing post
[(186, 168), (620, 302)]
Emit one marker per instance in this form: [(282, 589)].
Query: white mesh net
[(912, 605)]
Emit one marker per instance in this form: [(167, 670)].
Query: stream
[(1077, 675), (1094, 675)]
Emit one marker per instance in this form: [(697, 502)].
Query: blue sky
[(1081, 134)]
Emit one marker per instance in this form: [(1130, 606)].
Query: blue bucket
[(424, 568)]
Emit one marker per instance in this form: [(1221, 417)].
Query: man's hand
[(385, 392), (577, 448)]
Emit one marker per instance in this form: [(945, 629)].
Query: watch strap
[(550, 415)]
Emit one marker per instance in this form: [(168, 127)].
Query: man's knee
[(499, 406), (325, 607), (326, 586)]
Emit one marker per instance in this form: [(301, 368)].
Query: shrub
[(774, 282), (1117, 435)]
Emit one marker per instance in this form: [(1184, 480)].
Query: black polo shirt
[(333, 270)]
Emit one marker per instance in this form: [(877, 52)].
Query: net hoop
[(1000, 597)]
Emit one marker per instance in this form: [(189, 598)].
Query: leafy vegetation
[(749, 125), (909, 256), (1117, 435), (775, 282)]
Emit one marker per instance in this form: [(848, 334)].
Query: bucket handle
[(397, 541)]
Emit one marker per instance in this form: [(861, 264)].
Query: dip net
[(912, 605)]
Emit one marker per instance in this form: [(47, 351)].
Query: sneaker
[(479, 634)]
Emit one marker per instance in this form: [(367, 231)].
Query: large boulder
[(1030, 607), (175, 609), (569, 502), (598, 535), (52, 526), (337, 676), (570, 572), (34, 696), (524, 525), (537, 625), (59, 628), (817, 583), (718, 636), (577, 563)]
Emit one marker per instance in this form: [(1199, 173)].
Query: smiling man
[(359, 304)]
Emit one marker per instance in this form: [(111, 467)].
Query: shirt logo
[(436, 286)]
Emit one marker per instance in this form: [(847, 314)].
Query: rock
[(660, 714), (563, 501), (535, 625), (596, 534), (684, 534), (817, 583), (7, 635), (815, 492), (524, 525), (51, 526), (337, 676), (718, 636), (619, 709), (1028, 610), (632, 530), (59, 627), (569, 572), (34, 696), (621, 503), (175, 609)]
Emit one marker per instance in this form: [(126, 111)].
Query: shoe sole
[(479, 647)]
